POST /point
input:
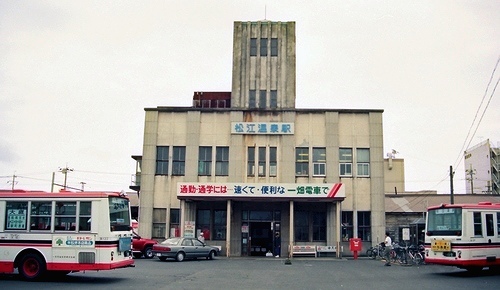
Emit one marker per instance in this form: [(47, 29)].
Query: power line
[(461, 155)]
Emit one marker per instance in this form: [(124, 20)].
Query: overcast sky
[(75, 77)]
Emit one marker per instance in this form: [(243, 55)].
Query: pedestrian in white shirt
[(388, 248)]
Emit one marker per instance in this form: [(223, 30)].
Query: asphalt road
[(266, 273)]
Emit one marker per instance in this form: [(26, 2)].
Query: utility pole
[(53, 179), (13, 180), (471, 172), (65, 172), (83, 184), (451, 185)]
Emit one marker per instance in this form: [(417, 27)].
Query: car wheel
[(211, 255), (148, 253), (180, 256)]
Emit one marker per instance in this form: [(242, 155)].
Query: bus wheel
[(32, 267)]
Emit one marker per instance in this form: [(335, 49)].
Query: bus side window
[(40, 214), (490, 227), (498, 224), (85, 215), (478, 224), (16, 215)]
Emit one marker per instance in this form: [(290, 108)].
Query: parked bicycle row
[(400, 253)]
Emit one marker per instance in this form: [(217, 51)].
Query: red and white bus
[(63, 232), (463, 235)]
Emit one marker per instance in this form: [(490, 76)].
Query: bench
[(304, 251), (325, 249)]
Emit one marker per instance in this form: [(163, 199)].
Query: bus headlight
[(459, 254)]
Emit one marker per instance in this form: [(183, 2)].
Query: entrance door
[(261, 238)]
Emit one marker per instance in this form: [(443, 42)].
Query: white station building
[(243, 165)]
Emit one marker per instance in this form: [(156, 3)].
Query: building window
[(347, 221), (251, 99), (262, 161), (253, 46), (478, 225), (159, 223), (179, 160), (204, 160), (364, 225), (203, 223), (222, 161), (263, 47), (319, 226), (161, 160), (262, 99), (363, 162), (274, 99), (274, 47), (212, 223), (345, 160), (175, 218), (301, 228), (301, 161), (205, 103), (319, 162), (220, 221), (273, 163), (251, 161)]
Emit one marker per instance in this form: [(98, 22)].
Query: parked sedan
[(184, 248)]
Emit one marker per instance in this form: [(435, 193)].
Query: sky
[(75, 77)]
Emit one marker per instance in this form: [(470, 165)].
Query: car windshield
[(171, 241)]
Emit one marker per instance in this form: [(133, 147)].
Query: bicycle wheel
[(418, 258), (393, 256), (402, 259), (369, 252)]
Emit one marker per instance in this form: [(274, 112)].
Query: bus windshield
[(444, 222), (119, 214)]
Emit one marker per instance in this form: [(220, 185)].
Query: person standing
[(388, 248), (277, 245), (201, 237)]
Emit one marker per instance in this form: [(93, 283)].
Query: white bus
[(63, 232), (463, 235)]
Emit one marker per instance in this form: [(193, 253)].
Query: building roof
[(418, 202), (298, 110)]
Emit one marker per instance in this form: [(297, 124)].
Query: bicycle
[(415, 255), (406, 255), (398, 253), (376, 251)]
